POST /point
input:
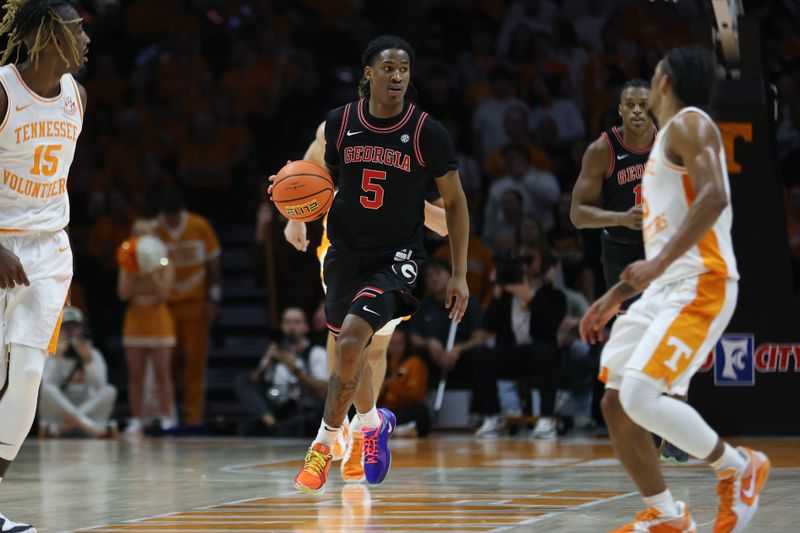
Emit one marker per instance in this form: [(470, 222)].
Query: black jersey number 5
[(369, 179)]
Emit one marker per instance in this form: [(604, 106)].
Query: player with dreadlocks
[(42, 108), (385, 152)]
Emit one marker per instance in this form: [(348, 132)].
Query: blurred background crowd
[(193, 103)]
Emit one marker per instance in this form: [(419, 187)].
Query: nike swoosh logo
[(748, 493), (5, 444), (351, 133), (621, 157), (368, 310), (64, 249), (22, 107)]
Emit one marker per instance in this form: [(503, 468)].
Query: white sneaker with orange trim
[(652, 520), (340, 444), (738, 495)]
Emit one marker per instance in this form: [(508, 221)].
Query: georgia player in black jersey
[(384, 151), (608, 195), (608, 191)]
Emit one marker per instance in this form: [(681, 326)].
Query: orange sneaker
[(738, 495), (353, 459), (653, 521), (340, 445), (312, 477)]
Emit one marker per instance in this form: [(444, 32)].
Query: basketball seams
[(309, 188), (280, 179), (299, 198)]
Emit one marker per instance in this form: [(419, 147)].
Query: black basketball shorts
[(375, 287), (615, 256)]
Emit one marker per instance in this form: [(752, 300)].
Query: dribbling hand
[(457, 288), (11, 271), (272, 179)]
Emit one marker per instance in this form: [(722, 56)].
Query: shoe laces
[(725, 491), (369, 447), (648, 514), (356, 450), (315, 463)]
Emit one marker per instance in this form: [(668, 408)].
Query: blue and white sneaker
[(375, 448), (7, 526)]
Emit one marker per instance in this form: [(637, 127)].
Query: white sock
[(326, 435), (370, 420), (355, 427), (730, 463), (663, 502)]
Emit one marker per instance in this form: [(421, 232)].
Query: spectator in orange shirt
[(405, 388), (194, 251)]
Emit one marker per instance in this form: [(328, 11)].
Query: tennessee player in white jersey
[(41, 106), (689, 279), (347, 446)]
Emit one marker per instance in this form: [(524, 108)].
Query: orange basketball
[(303, 190)]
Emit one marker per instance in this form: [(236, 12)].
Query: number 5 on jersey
[(46, 153), (369, 185)]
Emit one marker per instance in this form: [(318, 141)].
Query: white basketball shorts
[(667, 334), (31, 315)]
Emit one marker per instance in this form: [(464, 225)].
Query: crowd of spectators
[(210, 96)]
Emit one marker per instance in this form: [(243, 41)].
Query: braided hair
[(692, 73), (375, 47), (45, 20)]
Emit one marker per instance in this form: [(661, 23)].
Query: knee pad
[(25, 366), (18, 404), (637, 397)]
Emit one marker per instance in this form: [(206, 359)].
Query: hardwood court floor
[(440, 484)]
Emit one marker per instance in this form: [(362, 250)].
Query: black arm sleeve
[(333, 124), (437, 148)]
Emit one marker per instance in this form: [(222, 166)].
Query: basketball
[(302, 190)]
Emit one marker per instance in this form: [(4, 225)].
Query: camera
[(509, 267)]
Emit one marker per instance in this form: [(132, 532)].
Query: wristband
[(215, 293)]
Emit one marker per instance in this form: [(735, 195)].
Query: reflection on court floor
[(440, 484)]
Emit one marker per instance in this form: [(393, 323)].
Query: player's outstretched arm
[(457, 215), (586, 211), (693, 142)]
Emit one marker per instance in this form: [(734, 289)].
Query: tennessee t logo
[(730, 131), (682, 350)]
